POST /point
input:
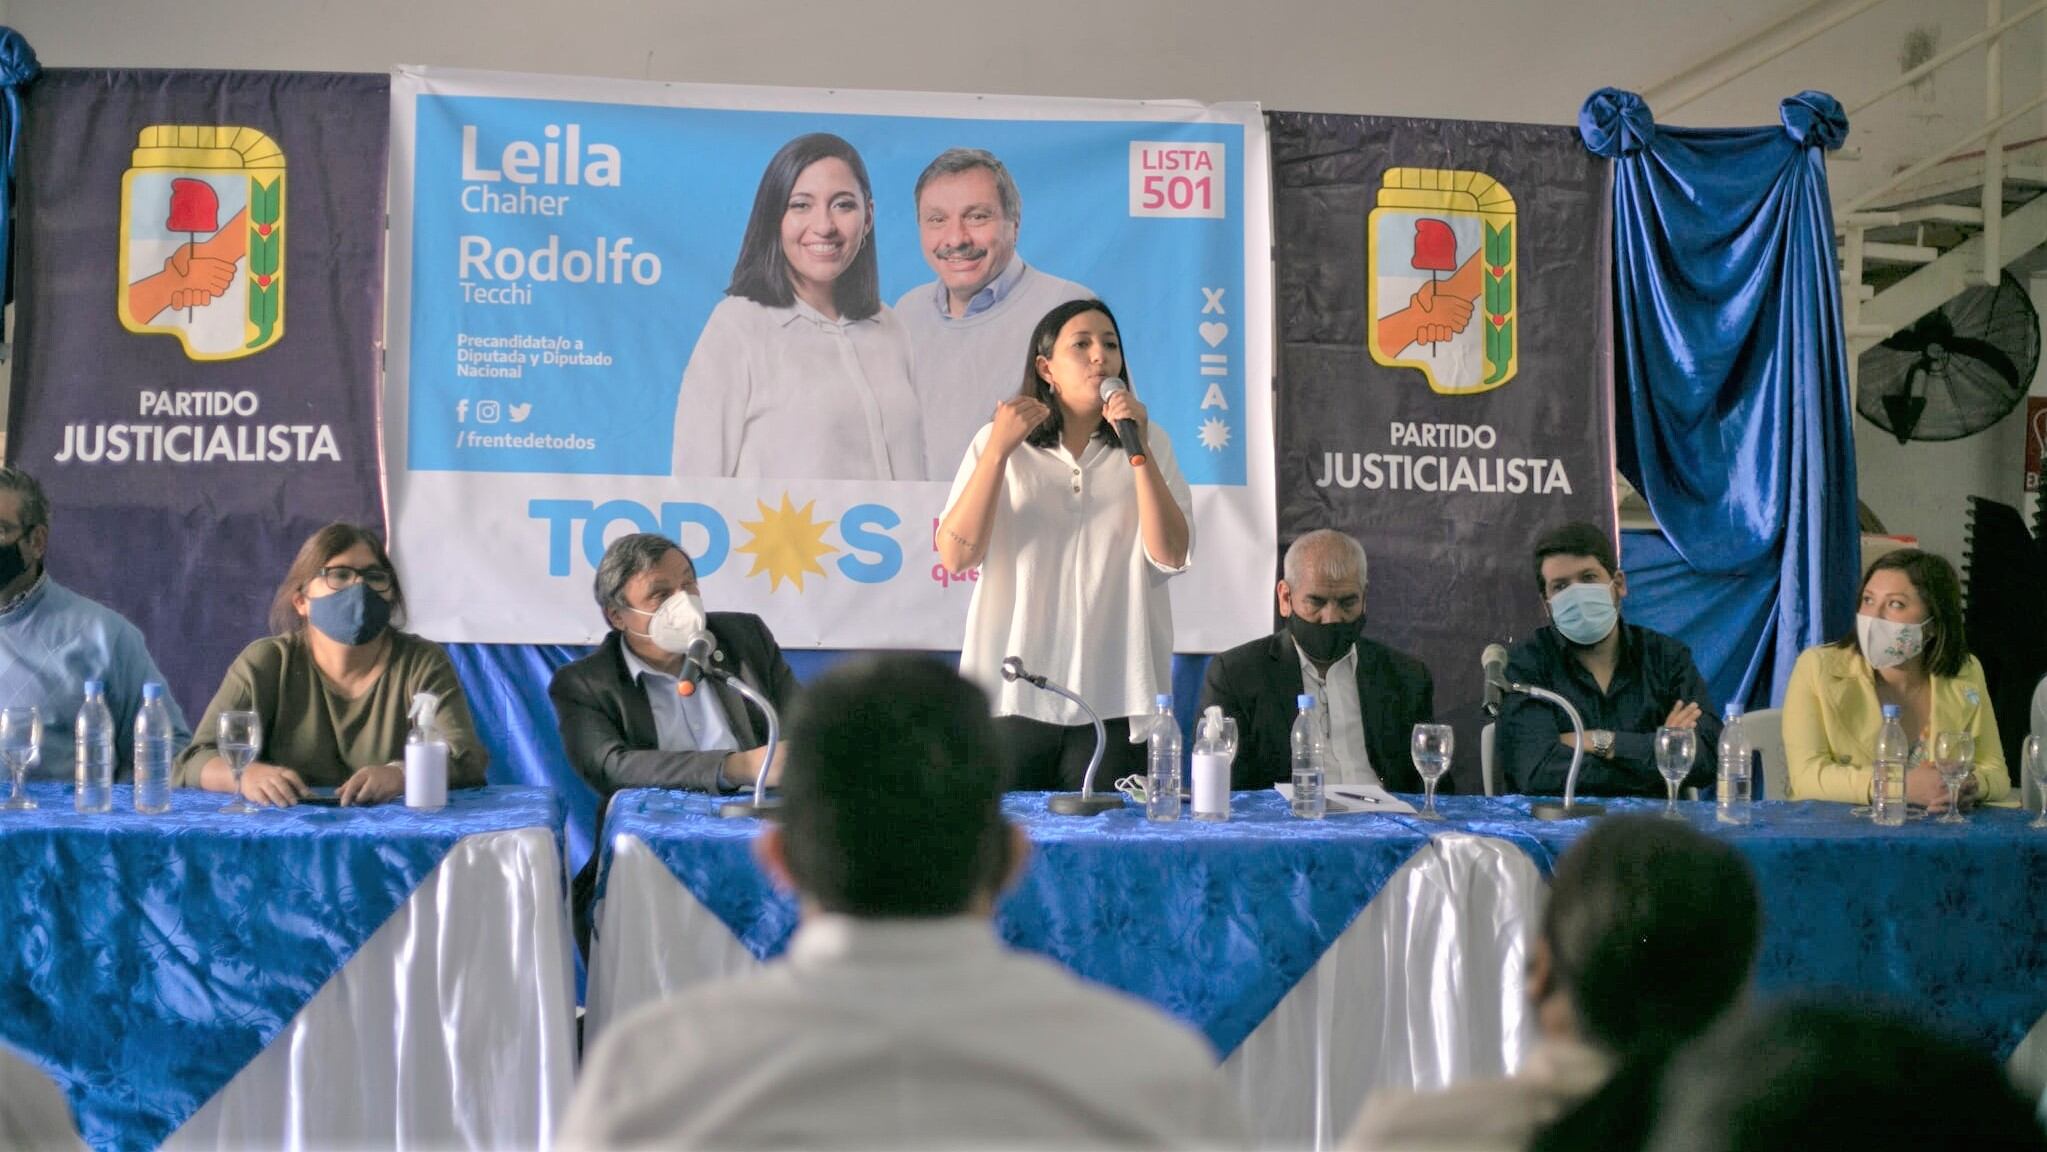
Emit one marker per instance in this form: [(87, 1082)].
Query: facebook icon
[(462, 410)]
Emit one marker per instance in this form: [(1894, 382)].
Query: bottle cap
[(94, 688), (1733, 712), (1305, 700), (1891, 711), (1164, 701), (152, 691)]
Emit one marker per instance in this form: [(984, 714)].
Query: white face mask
[(671, 626), (1887, 643)]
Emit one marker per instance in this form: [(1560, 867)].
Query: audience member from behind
[(1649, 936), (1909, 648), (33, 1111), (52, 640), (1803, 1075), (898, 1018), (1625, 680), (334, 686)]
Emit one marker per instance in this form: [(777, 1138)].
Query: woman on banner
[(334, 686), (1908, 649), (1075, 546), (801, 371)]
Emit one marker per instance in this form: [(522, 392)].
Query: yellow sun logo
[(785, 543)]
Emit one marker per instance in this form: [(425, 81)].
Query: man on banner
[(1625, 680), (625, 720), (1368, 697), (898, 1017), (971, 327), (52, 640)]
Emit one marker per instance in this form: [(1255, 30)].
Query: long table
[(1327, 960), (362, 977)]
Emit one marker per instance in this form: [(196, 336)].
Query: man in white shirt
[(1649, 936), (1368, 697), (970, 329), (898, 1018)]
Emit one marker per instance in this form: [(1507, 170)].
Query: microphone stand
[(1085, 802), (1569, 809), (760, 805)]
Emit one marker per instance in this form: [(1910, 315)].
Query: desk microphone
[(1497, 683), (1126, 429), (696, 661), (760, 805), (1494, 664), (1084, 803)]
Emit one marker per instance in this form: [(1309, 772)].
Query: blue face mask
[(354, 615), (1584, 613)]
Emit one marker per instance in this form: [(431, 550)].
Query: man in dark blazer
[(1368, 697), (623, 722)]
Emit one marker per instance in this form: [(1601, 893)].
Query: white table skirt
[(1424, 987), (452, 1027)]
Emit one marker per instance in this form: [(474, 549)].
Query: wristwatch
[(1602, 743)]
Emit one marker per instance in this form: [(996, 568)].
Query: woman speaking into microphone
[(1076, 534)]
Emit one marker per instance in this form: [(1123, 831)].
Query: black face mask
[(12, 563), (1325, 643)]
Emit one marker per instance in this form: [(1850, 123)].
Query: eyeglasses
[(341, 576)]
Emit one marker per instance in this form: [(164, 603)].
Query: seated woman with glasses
[(334, 686)]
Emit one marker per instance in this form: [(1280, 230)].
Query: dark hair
[(35, 509), (892, 794), (1636, 902), (1044, 341), (1947, 637), (314, 554), (627, 557), (761, 274), (1809, 1075), (1575, 539)]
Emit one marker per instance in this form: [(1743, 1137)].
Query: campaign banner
[(1445, 369), (728, 315), (199, 267)]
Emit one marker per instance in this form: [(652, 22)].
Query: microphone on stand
[(1126, 429), (1570, 809), (1085, 802), (760, 805), (696, 660), (1494, 664)]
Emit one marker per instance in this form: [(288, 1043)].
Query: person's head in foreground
[(1649, 936), (1803, 1076), (892, 795)]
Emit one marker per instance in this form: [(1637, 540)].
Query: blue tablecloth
[(1216, 922), (147, 959)]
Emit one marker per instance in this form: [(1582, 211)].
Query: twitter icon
[(519, 412)]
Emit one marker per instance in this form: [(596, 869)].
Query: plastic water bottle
[(94, 732), (1735, 766), (153, 741), (1893, 756), (1311, 755), (1162, 779)]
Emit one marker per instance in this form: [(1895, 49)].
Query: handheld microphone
[(1494, 664), (696, 661), (1126, 430), (1085, 802)]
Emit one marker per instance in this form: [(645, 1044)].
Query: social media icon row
[(491, 412)]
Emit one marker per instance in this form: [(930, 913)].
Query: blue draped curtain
[(18, 67), (1731, 366)]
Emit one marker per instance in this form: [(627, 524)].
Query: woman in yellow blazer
[(1908, 649)]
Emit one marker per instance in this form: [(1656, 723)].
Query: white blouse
[(1067, 584), (787, 393)]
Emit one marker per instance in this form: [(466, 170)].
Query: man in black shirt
[(1625, 680)]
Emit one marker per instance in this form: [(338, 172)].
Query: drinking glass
[(21, 736), (1676, 750), (2033, 766), (1954, 754), (1431, 746), (241, 736)]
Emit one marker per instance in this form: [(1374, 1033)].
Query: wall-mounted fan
[(1957, 370)]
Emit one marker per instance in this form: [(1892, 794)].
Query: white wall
[(1478, 59)]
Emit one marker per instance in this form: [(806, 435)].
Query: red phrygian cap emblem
[(1435, 246), (194, 207)]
